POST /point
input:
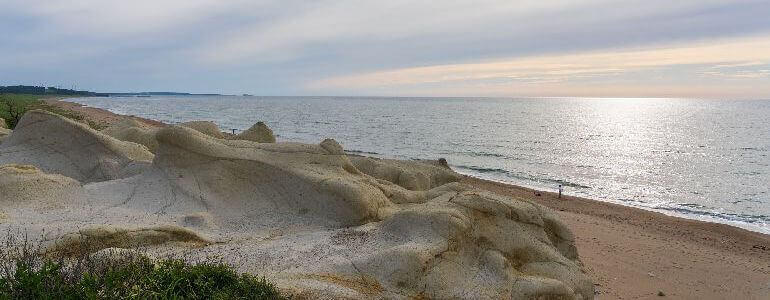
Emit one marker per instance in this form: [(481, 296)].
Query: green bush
[(13, 106), (140, 279), (25, 273)]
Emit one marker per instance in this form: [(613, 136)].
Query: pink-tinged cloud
[(711, 68)]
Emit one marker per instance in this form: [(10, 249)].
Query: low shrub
[(26, 273), (13, 107)]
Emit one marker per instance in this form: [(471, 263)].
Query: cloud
[(506, 75), (283, 47)]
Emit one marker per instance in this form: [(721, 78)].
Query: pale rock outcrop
[(58, 145), (283, 183), (3, 125), (131, 130), (26, 185), (411, 175), (321, 224), (206, 127), (259, 133), (4, 133)]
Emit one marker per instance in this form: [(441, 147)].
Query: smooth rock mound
[(411, 175), (205, 127), (26, 185), (58, 145), (241, 181), (131, 130), (4, 133), (259, 133)]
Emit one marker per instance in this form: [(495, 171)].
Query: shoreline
[(634, 253), (107, 117), (668, 212), (629, 252)]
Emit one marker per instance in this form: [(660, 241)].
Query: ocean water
[(701, 159)]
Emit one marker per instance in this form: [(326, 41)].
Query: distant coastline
[(58, 91), (148, 94)]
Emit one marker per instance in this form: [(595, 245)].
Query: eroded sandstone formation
[(206, 127), (4, 133), (57, 145), (259, 133), (131, 130), (309, 217)]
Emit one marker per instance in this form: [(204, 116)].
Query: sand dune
[(307, 216)]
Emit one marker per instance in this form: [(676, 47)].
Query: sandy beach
[(631, 253)]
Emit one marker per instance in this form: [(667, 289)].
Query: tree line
[(40, 90)]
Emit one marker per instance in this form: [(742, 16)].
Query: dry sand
[(631, 253)]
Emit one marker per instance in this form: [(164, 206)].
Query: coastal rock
[(411, 175), (4, 133), (320, 224), (29, 187), (58, 145), (131, 130), (206, 127), (259, 133), (265, 184)]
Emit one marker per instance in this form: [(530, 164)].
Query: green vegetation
[(41, 90), (137, 279), (13, 107), (27, 274)]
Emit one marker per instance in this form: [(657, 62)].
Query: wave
[(523, 177), (482, 154), (484, 170), (360, 152), (700, 212), (703, 211)]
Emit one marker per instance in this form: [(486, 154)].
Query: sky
[(496, 48)]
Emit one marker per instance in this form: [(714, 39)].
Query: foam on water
[(702, 159)]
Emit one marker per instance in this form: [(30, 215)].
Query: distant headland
[(42, 90)]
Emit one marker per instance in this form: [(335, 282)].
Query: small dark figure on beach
[(561, 188)]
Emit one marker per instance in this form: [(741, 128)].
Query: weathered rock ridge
[(61, 146), (309, 217)]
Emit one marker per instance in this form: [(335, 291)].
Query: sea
[(693, 158)]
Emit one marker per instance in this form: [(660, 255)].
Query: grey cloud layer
[(277, 47)]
